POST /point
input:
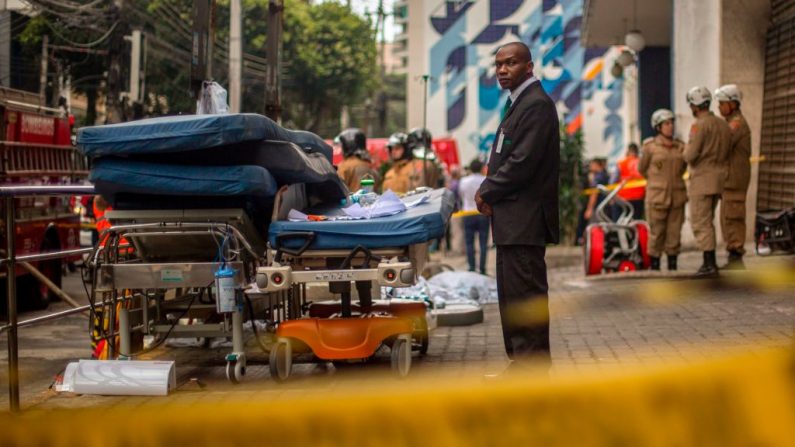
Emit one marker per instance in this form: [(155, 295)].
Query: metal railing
[(8, 193)]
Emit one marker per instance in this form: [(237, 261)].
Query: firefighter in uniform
[(419, 141), (356, 162), (707, 156), (662, 164), (732, 208), (402, 176)]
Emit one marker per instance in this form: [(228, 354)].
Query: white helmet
[(728, 92), (660, 116), (698, 95)]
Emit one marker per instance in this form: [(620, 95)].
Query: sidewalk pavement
[(617, 320)]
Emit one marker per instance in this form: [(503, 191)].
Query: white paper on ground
[(125, 377)]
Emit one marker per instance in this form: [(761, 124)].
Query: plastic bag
[(212, 100)]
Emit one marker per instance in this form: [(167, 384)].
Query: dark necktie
[(506, 107)]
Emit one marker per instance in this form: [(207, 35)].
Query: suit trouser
[(524, 305), (665, 229), (732, 219), (702, 219)]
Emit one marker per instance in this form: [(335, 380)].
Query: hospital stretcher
[(185, 210)]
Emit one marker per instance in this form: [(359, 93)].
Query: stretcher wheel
[(401, 357), (235, 370), (627, 266), (281, 360), (423, 342), (594, 249)]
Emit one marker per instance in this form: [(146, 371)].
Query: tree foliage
[(571, 151), (332, 57), (329, 54)]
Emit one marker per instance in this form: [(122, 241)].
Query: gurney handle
[(307, 236), (368, 256)]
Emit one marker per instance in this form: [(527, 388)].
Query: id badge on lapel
[(502, 140)]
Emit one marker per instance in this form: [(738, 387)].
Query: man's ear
[(530, 67)]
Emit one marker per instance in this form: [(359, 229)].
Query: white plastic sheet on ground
[(452, 288)]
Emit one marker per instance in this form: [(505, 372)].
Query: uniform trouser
[(732, 219), (665, 229), (476, 224), (524, 308), (702, 219)]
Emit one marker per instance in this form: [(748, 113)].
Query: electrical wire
[(78, 44)]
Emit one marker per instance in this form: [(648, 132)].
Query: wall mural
[(465, 99)]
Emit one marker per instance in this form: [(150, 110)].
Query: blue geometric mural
[(467, 34)]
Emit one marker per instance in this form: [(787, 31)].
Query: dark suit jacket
[(522, 182)]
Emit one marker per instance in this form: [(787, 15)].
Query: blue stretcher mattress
[(114, 176), (189, 132), (422, 223)]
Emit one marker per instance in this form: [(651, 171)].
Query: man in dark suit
[(520, 194)]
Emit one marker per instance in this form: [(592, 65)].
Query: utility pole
[(45, 42), (135, 65), (235, 56), (113, 105), (273, 104), (203, 37)]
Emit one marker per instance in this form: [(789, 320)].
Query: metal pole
[(235, 56), (45, 42), (11, 283), (135, 67), (424, 127), (273, 103)]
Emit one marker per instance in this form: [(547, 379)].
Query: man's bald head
[(520, 50), (513, 65)]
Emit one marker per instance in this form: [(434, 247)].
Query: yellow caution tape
[(463, 213), (748, 400), (639, 183)]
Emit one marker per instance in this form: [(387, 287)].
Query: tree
[(332, 57), (571, 149), (329, 54)]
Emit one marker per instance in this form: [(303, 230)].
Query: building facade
[(452, 45)]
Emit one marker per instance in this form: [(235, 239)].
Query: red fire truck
[(36, 149)]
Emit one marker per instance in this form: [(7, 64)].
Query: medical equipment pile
[(200, 231)]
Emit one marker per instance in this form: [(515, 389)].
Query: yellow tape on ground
[(739, 402)]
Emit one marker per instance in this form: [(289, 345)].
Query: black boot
[(671, 263), (735, 261), (655, 263), (709, 267)]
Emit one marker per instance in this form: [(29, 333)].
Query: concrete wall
[(695, 53), (743, 42)]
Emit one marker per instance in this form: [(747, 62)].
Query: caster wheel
[(423, 343), (235, 370), (281, 361), (401, 357)]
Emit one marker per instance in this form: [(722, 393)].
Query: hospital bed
[(200, 232)]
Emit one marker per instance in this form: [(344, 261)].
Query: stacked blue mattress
[(207, 161)]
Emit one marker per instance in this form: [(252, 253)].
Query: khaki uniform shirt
[(739, 154), (351, 171), (662, 164), (707, 155), (406, 175)]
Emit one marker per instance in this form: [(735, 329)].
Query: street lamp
[(635, 41)]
